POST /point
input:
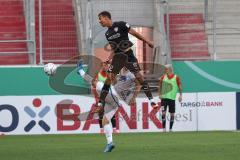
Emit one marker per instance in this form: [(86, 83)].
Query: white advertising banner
[(59, 114), (217, 111), (209, 111)]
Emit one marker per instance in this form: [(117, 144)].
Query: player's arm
[(109, 59), (179, 88), (94, 86), (94, 80), (160, 86), (139, 36)]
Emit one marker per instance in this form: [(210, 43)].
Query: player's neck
[(170, 74), (110, 23)]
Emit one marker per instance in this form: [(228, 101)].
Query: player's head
[(168, 68), (124, 71), (105, 18), (104, 66)]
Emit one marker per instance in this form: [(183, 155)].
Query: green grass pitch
[(139, 146)]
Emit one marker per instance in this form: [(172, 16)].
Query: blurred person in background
[(169, 86)]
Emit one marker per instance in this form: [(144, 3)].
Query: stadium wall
[(217, 76), (33, 81), (28, 104), (195, 76)]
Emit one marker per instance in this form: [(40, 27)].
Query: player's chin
[(102, 25)]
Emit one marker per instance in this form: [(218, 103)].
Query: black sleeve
[(124, 26)]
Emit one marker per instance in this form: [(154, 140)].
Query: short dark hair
[(105, 14)]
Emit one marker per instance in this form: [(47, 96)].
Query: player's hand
[(94, 82), (132, 102), (99, 107), (150, 44), (180, 98), (108, 61), (98, 110), (101, 112)]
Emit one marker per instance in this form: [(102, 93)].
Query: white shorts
[(109, 111), (111, 105)]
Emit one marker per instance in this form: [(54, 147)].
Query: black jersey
[(117, 36)]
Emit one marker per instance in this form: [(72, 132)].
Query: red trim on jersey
[(103, 73), (170, 76)]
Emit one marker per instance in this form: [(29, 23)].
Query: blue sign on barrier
[(238, 110)]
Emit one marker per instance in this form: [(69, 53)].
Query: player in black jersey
[(121, 54)]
